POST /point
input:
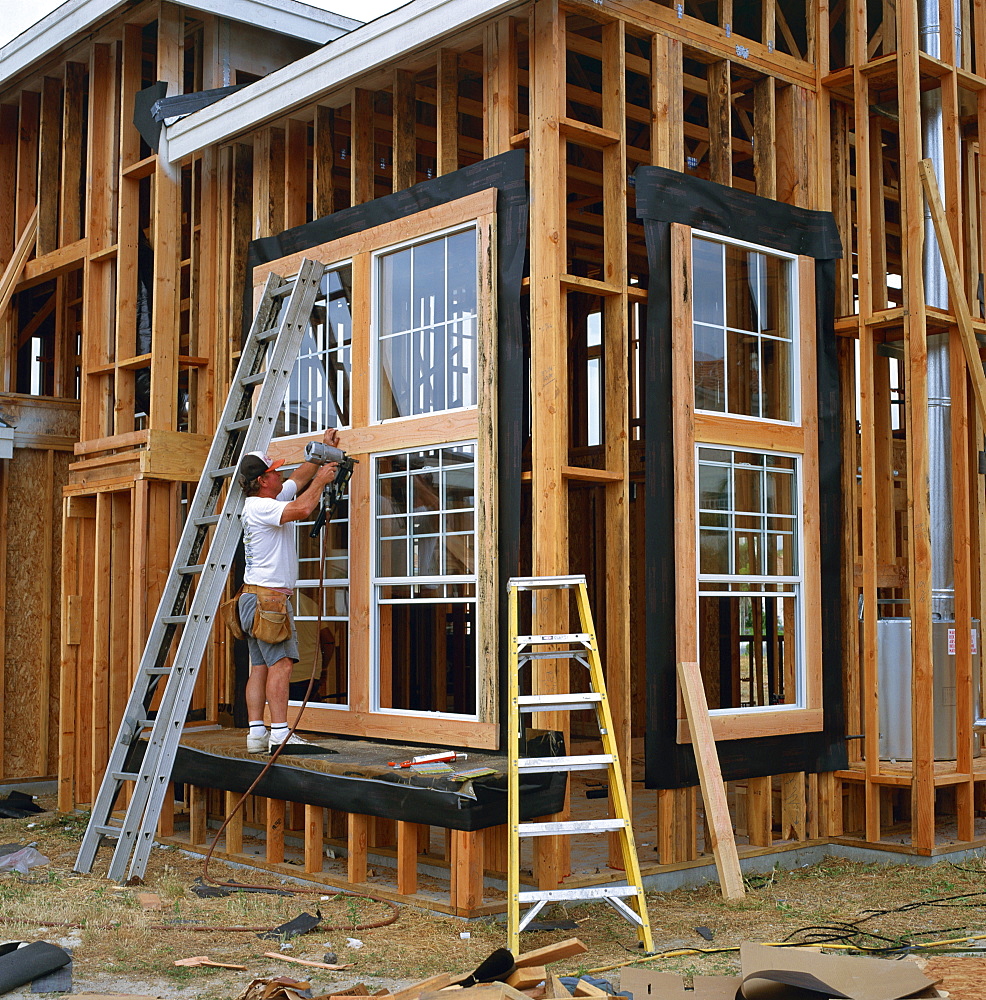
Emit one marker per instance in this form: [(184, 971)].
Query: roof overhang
[(342, 62), (75, 17)]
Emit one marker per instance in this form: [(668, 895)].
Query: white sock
[(278, 732), (257, 727)]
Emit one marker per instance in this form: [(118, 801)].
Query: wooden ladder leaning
[(629, 899)]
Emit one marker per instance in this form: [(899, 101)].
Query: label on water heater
[(951, 642)]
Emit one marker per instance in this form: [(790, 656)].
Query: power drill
[(318, 454)]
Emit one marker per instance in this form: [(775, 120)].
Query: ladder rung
[(174, 619), (251, 380), (157, 671), (283, 290), (535, 640), (126, 775), (202, 522), (544, 582), (108, 831), (585, 762), (223, 473), (572, 701), (591, 892), (553, 654), (238, 425), (190, 570), (570, 826)]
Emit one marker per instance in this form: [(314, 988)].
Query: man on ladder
[(271, 505)]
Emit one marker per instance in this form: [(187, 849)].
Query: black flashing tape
[(29, 963), (665, 197), (669, 196), (390, 796), (507, 173), (185, 104)]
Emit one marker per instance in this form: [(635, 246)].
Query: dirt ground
[(120, 945)]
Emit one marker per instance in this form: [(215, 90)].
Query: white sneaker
[(294, 740), (258, 744)]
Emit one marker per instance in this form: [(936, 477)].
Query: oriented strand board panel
[(32, 618)]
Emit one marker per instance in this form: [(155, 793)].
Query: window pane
[(427, 327), (707, 279), (776, 379), (741, 277), (428, 657), (743, 374), (709, 361), (713, 551), (748, 650)]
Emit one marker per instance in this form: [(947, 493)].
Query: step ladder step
[(573, 700), (553, 654), (567, 827), (537, 640), (591, 892), (585, 762), (544, 582)]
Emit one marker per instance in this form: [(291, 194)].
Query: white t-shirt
[(271, 556)]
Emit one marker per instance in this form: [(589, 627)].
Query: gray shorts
[(264, 653)]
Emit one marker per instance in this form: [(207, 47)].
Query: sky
[(18, 15)]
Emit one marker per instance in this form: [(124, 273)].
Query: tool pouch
[(229, 611), (270, 620)]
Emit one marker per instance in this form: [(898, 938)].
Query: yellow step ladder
[(628, 900)]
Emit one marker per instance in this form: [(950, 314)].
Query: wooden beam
[(720, 123), (718, 825), (405, 131), (323, 193), (49, 162), (73, 159), (500, 86), (25, 244), (447, 111), (361, 147)]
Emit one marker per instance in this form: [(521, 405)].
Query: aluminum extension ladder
[(259, 385), (628, 900)]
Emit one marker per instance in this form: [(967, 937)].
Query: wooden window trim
[(691, 428), (367, 437)]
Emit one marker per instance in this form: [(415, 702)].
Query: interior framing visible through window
[(698, 431)]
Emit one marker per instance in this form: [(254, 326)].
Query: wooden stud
[(667, 135), (407, 857), (362, 165), (314, 833), (405, 130), (49, 161), (73, 161), (27, 157), (793, 806), (500, 86), (275, 831), (765, 133), (720, 123), (358, 828), (447, 111), (198, 815), (759, 811), (323, 162), (295, 174), (234, 828), (466, 871)]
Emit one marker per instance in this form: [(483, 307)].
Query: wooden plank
[(314, 832), (447, 111), (198, 815), (49, 163), (24, 246), (915, 408), (295, 174), (765, 133), (234, 826), (616, 389), (69, 552), (119, 638), (568, 948), (466, 871), (275, 830), (667, 135), (99, 733), (323, 160), (718, 826), (362, 165), (792, 146), (404, 138), (356, 842), (549, 367), (720, 123), (759, 811), (407, 857), (500, 86), (73, 160)]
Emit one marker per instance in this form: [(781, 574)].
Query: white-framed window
[(750, 579), (425, 580), (426, 325), (745, 330)]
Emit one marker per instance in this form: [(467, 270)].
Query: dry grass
[(114, 937)]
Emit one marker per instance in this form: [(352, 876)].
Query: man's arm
[(302, 506), (302, 476)]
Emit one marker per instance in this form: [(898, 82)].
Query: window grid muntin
[(791, 275), (325, 354), (468, 340), (741, 585)]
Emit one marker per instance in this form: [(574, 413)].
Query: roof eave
[(330, 68)]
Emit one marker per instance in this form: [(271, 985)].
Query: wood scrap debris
[(197, 960), (277, 988), (315, 965)]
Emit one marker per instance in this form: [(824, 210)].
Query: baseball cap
[(256, 463)]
